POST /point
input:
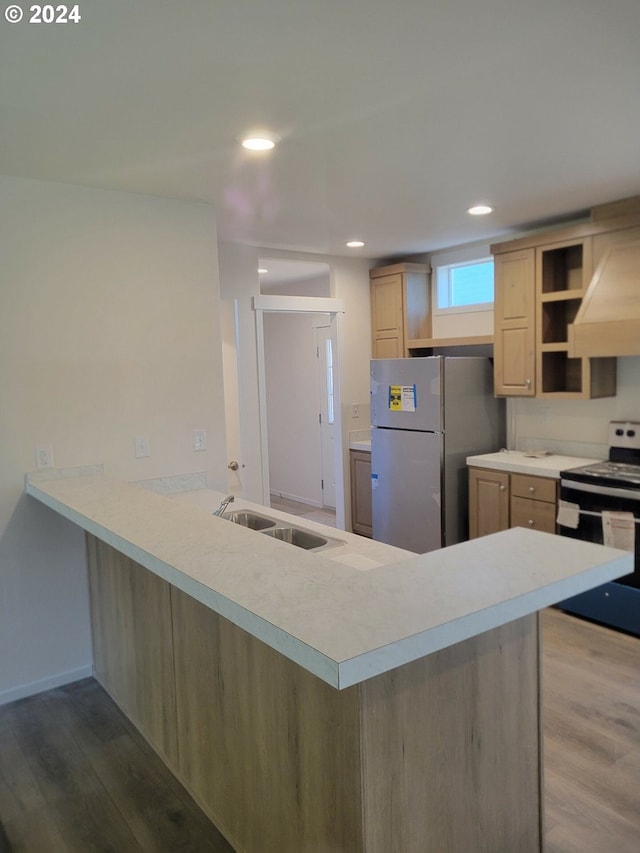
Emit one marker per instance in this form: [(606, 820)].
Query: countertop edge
[(448, 634)]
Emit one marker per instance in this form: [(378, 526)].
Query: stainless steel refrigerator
[(427, 416)]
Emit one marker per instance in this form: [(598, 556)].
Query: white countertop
[(360, 444), (518, 463), (345, 614)]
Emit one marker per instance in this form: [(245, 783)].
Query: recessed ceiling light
[(262, 270), (480, 210), (355, 244), (258, 143)]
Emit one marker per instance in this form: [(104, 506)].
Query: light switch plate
[(142, 446), (199, 439)]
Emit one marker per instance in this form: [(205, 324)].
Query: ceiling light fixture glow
[(480, 210), (355, 244), (262, 270), (258, 143)]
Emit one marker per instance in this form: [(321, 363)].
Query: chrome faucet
[(225, 503)]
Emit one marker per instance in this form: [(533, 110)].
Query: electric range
[(601, 503)]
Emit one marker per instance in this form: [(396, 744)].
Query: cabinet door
[(132, 643), (514, 350), (361, 492), (387, 317), (488, 502)]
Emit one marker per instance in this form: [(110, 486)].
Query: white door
[(325, 362)]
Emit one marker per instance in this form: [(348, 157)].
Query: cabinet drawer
[(538, 515), (534, 488)]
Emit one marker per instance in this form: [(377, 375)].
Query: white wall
[(316, 286), (575, 427), (109, 328), (295, 461), (350, 282)]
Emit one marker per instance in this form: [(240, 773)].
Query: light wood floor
[(75, 777), (591, 692), (326, 515)]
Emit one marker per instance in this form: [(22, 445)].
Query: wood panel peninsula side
[(360, 698)]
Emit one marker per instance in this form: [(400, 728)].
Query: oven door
[(616, 604)]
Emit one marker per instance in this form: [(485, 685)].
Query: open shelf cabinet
[(563, 271)]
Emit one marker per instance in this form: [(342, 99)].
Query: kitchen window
[(465, 286)]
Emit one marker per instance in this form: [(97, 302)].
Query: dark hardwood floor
[(75, 776)]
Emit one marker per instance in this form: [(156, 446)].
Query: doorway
[(325, 383), (297, 335)]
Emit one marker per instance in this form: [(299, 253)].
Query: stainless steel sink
[(301, 537), (252, 520), (294, 536)]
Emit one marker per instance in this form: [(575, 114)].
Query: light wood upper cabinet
[(387, 336), (400, 309), (563, 272), (540, 283), (514, 341)]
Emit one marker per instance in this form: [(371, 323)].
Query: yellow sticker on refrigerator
[(402, 398)]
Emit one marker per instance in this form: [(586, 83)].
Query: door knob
[(233, 465)]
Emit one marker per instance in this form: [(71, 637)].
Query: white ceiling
[(393, 117)]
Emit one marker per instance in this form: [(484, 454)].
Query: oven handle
[(610, 491)]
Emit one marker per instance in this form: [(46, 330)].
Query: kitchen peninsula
[(359, 698)]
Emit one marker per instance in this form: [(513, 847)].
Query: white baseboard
[(287, 496), (43, 684)]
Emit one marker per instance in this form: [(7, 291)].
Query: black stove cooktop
[(606, 473), (622, 469)]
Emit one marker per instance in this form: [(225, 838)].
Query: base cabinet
[(360, 466), (488, 502), (132, 644), (434, 755), (499, 500)]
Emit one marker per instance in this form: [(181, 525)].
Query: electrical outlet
[(199, 439), (355, 411), (142, 446), (44, 456)]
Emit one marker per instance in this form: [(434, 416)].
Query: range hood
[(608, 320)]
